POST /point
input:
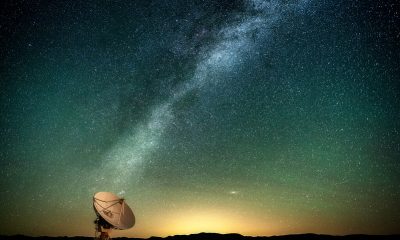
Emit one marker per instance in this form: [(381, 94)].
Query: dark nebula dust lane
[(248, 116)]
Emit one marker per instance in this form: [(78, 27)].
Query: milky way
[(233, 41), (249, 116)]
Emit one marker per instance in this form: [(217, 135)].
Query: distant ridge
[(230, 236)]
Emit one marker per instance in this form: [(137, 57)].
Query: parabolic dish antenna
[(112, 213)]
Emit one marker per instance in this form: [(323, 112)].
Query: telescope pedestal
[(102, 231)]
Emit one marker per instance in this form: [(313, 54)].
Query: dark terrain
[(215, 236)]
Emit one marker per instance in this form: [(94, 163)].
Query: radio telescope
[(112, 213)]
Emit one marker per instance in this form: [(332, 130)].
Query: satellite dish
[(112, 213)]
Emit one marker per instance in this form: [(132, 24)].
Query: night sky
[(248, 116)]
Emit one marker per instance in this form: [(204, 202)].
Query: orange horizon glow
[(222, 221)]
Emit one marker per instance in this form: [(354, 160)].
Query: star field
[(248, 116)]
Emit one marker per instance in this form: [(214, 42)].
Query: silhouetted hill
[(232, 236)]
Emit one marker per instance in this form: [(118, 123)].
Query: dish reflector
[(113, 210)]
